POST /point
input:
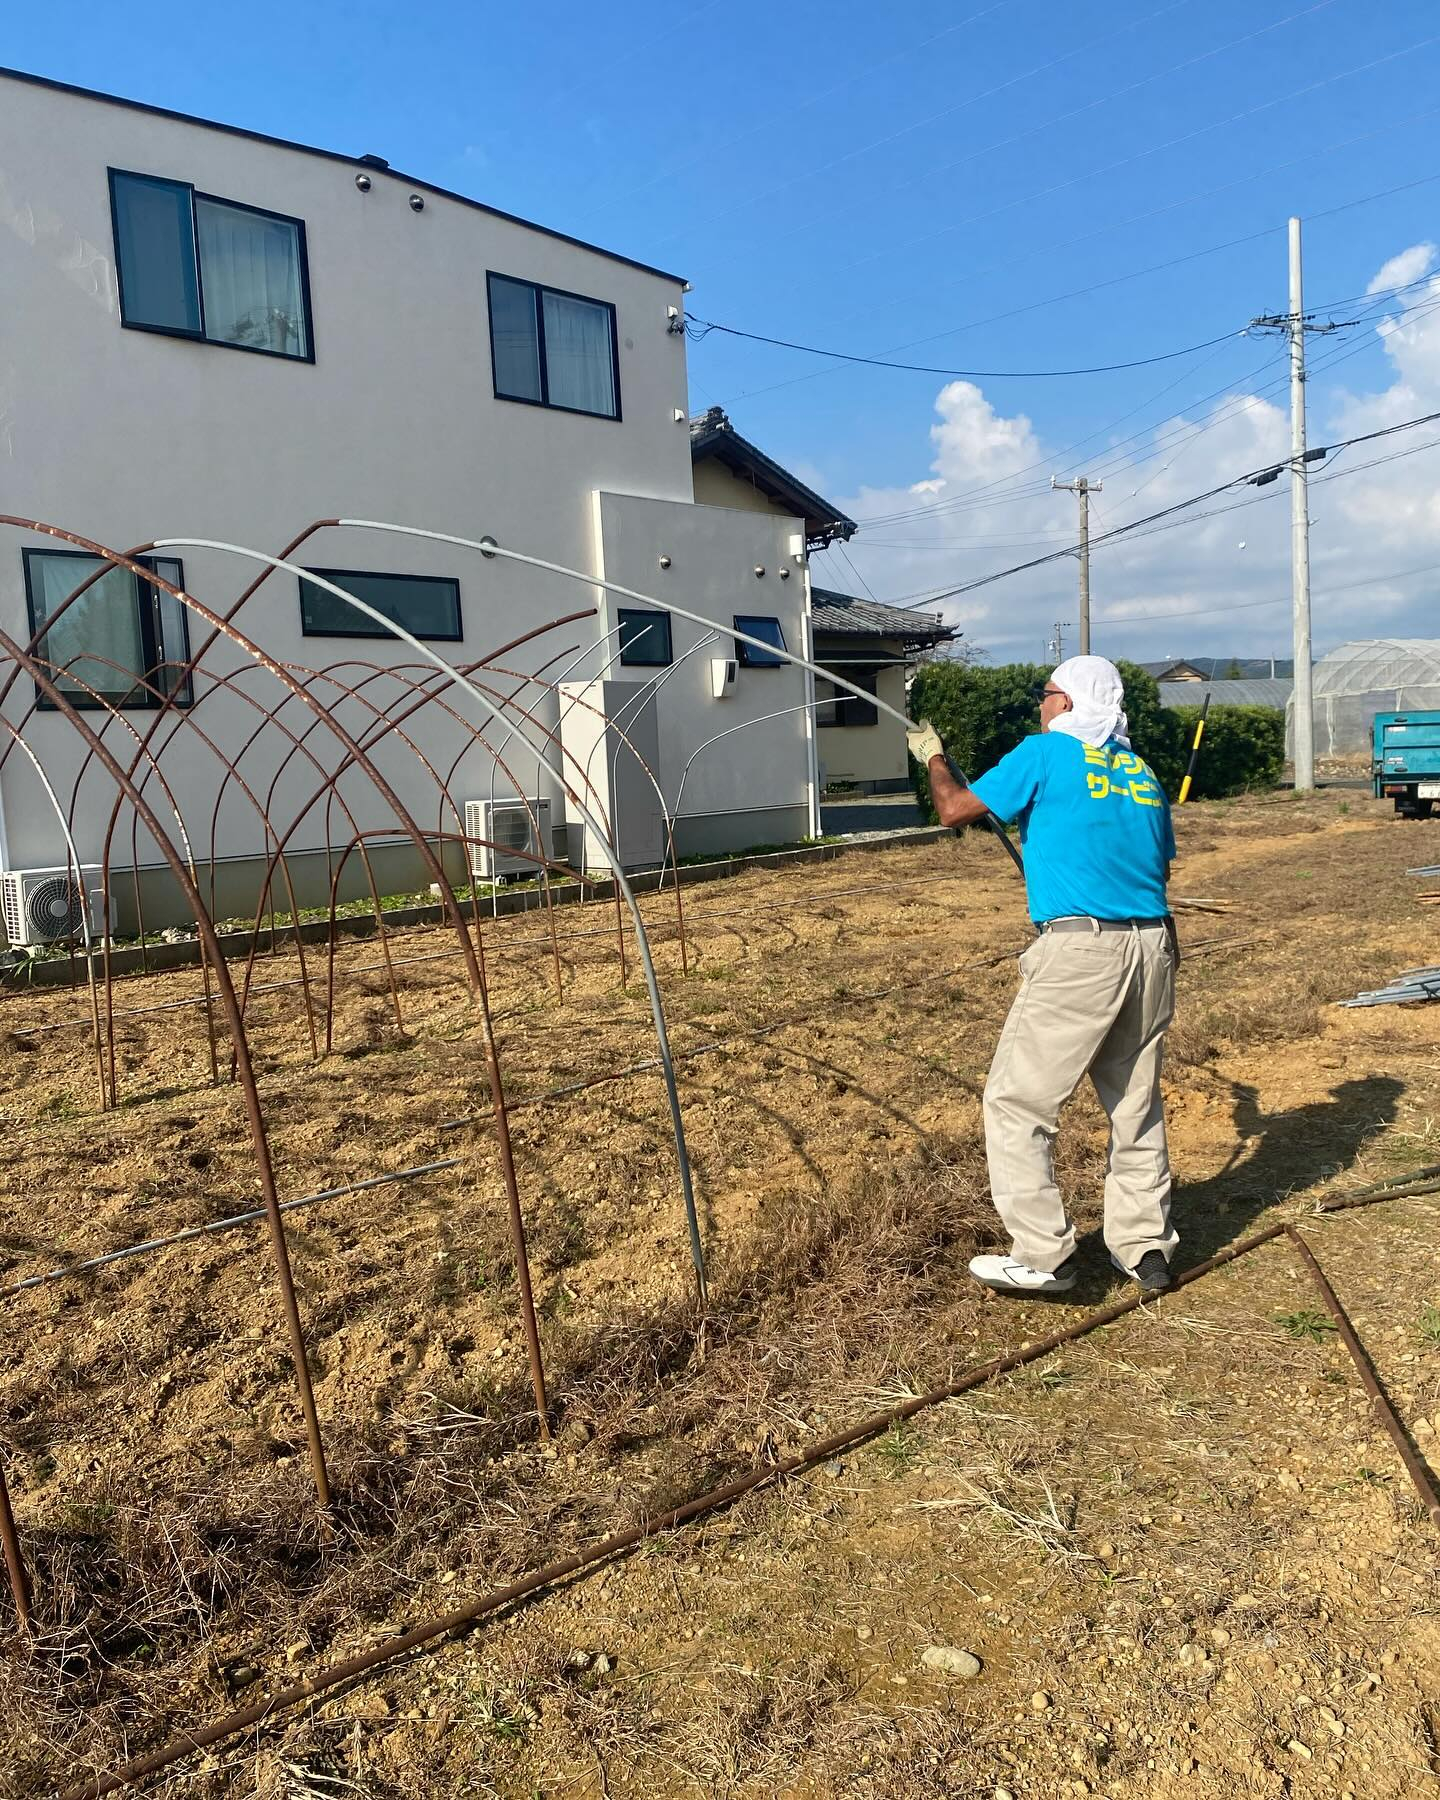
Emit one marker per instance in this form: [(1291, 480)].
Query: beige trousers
[(1095, 1003)]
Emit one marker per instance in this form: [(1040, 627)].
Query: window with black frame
[(193, 265), (427, 606), (770, 631), (835, 707), (123, 642), (551, 348), (644, 638)]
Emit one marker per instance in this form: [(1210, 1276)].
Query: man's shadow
[(1277, 1154)]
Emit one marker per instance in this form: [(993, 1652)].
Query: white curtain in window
[(101, 629), (250, 277), (579, 359)]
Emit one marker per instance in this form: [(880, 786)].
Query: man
[(1097, 987)]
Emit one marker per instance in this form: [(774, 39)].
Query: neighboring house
[(211, 333), (863, 641), (731, 471), (872, 645)]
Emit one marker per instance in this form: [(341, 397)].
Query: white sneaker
[(1007, 1275)]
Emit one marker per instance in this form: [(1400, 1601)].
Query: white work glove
[(923, 742)]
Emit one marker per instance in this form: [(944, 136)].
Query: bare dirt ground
[(1187, 1558)]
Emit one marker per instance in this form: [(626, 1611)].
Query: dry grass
[(824, 1300), (843, 1164)]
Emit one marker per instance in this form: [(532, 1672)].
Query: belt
[(1083, 922)]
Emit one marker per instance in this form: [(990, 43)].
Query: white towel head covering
[(1097, 701)]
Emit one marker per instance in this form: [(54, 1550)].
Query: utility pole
[(1056, 646), (1084, 487), (1295, 324), (1300, 528)]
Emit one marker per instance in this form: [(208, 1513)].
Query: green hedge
[(1243, 748), (983, 713)]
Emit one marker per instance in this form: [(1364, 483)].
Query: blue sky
[(936, 176)]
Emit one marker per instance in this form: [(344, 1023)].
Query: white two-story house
[(209, 333)]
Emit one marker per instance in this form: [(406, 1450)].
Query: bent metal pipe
[(260, 1143), (490, 547), (358, 757), (493, 711), (94, 1788)]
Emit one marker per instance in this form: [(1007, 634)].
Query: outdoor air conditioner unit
[(516, 832), (48, 906), (722, 676)]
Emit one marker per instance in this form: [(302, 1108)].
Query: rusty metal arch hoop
[(259, 1136), (409, 825), (493, 711), (491, 548)]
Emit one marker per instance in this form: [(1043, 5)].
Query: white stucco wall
[(754, 785), (128, 436)]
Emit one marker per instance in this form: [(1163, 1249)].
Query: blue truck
[(1406, 761)]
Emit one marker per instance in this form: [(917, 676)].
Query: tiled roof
[(712, 434), (848, 614)]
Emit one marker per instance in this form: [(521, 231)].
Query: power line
[(1251, 477), (932, 174), (1094, 287), (983, 496), (865, 71), (1197, 612), (1151, 150), (1016, 312), (1087, 43), (706, 326), (844, 552)]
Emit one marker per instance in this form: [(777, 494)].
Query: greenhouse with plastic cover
[(1361, 679)]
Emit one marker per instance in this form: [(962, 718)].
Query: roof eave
[(824, 523), (337, 156)]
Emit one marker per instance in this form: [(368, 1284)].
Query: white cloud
[(1401, 270), (1216, 584)]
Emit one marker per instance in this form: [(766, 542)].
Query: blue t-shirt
[(1095, 825)]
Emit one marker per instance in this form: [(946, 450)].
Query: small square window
[(836, 707), (427, 606), (550, 348), (124, 642), (644, 638), (769, 631)]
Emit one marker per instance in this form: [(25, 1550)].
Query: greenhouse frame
[(1360, 679)]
